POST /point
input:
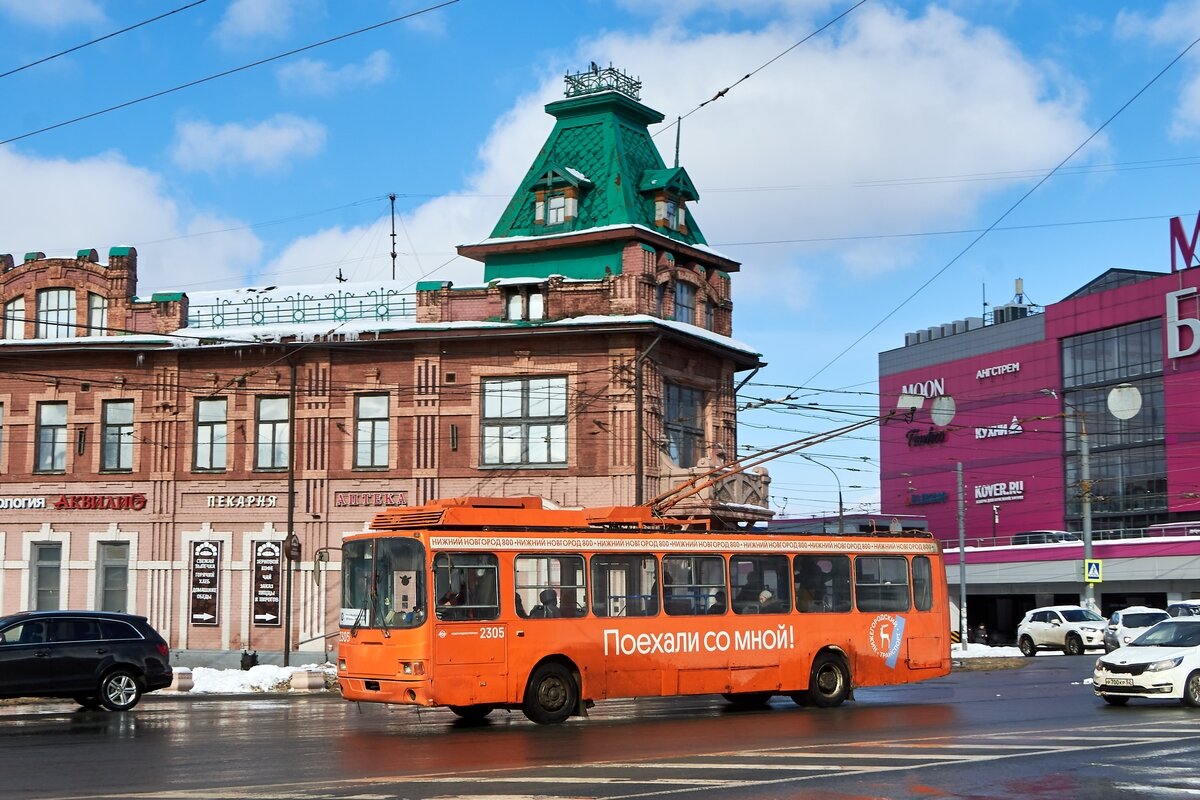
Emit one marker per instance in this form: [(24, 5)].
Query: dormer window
[(671, 213), (556, 195), (525, 304), (556, 209)]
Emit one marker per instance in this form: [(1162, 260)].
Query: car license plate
[(1119, 682)]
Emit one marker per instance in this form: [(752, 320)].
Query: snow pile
[(976, 650), (262, 678)]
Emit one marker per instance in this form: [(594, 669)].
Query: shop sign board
[(267, 559), (206, 583)]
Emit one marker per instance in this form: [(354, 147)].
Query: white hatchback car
[(1072, 629), (1162, 662), (1127, 624)]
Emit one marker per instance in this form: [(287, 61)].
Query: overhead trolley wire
[(229, 72), (970, 245), (70, 50)]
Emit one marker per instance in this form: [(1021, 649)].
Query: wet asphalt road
[(1033, 732)]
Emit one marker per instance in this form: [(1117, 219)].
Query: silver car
[(1162, 662)]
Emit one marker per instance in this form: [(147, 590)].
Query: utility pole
[(392, 197), (963, 632), (841, 508)]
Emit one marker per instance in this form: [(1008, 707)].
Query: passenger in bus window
[(521, 612), (548, 607), (718, 604)]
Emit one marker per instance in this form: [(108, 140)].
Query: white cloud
[(119, 205), (245, 20), (317, 77), (53, 13), (1175, 26), (891, 96), (269, 146)]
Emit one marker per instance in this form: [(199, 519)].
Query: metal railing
[(380, 304), (1106, 535)]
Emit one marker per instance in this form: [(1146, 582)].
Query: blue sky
[(837, 174)]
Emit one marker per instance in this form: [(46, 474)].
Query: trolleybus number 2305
[(478, 604)]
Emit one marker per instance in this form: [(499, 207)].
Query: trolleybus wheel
[(748, 699), (829, 681), (472, 713), (551, 695)]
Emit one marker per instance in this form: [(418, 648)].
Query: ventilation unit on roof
[(1009, 312)]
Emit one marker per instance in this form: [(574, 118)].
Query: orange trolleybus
[(486, 603)]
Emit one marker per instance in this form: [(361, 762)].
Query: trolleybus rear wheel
[(829, 681), (552, 695)]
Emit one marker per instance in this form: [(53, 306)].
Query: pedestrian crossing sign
[(1092, 570)]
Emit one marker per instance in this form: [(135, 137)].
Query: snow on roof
[(355, 330), (621, 226), (578, 175)]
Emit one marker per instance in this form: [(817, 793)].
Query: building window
[(55, 313), (51, 438), (556, 209), (710, 315), (97, 315), (271, 444), (525, 304), (117, 435), (47, 573), (660, 300), (14, 319), (685, 302), (683, 423), (371, 431), (671, 214), (524, 421), (212, 433), (112, 586)]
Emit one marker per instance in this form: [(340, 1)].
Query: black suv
[(97, 658)]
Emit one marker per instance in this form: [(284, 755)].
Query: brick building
[(157, 452)]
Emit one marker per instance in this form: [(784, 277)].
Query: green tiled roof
[(604, 138)]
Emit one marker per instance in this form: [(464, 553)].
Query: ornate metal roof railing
[(300, 307), (603, 80)]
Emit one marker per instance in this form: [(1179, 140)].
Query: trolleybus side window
[(822, 583), (550, 586), (881, 583), (465, 586), (691, 584), (760, 584), (624, 585), (383, 583), (922, 583)]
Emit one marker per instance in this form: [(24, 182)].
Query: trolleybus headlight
[(342, 664), (412, 667)]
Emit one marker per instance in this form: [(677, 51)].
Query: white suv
[(1072, 629)]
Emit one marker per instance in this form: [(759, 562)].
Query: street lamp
[(1085, 492), (841, 508), (1124, 402)]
